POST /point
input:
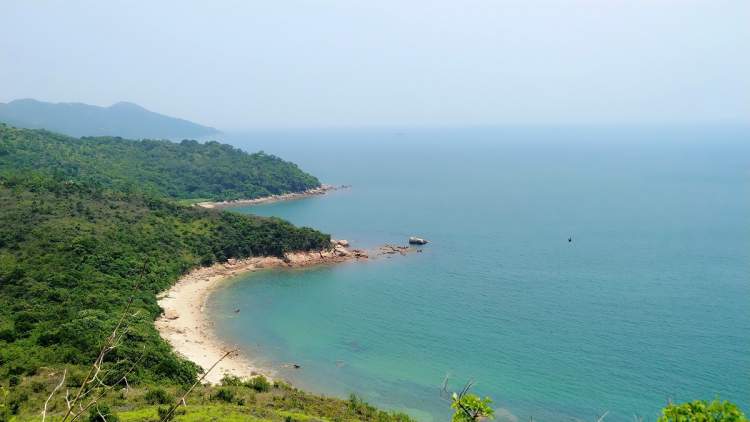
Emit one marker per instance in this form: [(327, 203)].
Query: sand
[(321, 190), (185, 325)]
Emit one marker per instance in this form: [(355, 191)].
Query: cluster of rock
[(340, 249), (393, 249)]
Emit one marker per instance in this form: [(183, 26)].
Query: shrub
[(101, 413), (38, 386), (7, 334), (164, 414), (259, 384), (4, 413), (702, 411), (224, 394), (158, 396), (231, 381), (361, 407), (470, 407), (164, 411)]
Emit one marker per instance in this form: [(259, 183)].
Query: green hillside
[(70, 256), (186, 170), (88, 226)]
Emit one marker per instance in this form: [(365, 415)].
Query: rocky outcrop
[(417, 241), (393, 249)]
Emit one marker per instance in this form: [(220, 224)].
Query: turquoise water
[(648, 303)]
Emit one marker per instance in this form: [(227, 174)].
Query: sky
[(295, 64)]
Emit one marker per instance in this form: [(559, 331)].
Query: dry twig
[(181, 400), (44, 411)]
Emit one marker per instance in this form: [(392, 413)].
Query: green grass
[(206, 403), (199, 413)]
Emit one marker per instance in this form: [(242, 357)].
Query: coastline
[(320, 190), (189, 331)]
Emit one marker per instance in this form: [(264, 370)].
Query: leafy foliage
[(280, 402), (186, 170), (702, 411), (470, 407), (259, 384), (224, 394), (4, 408), (70, 254), (102, 413), (158, 395)]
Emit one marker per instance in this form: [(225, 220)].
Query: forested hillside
[(187, 170), (70, 255), (88, 226)]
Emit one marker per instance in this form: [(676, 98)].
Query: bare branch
[(105, 390), (44, 411), (444, 389), (100, 414), (181, 400)]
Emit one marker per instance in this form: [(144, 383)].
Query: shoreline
[(189, 330), (320, 190)]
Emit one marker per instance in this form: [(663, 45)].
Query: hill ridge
[(125, 119)]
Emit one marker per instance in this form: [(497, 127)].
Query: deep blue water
[(648, 303)]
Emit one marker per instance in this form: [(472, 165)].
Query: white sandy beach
[(185, 325)]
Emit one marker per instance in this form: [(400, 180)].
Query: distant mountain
[(77, 119)]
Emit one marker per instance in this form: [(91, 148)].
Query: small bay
[(647, 303)]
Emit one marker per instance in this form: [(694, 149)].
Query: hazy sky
[(278, 63)]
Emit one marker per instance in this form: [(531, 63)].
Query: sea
[(571, 272)]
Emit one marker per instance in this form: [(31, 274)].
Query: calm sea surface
[(649, 302)]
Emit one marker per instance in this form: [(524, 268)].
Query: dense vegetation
[(89, 225), (702, 411), (185, 170), (70, 255), (122, 119), (231, 401)]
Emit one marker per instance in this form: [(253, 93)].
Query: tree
[(702, 411), (469, 407)]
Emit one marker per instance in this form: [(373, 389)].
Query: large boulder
[(342, 252), (417, 241)]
